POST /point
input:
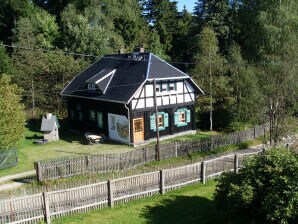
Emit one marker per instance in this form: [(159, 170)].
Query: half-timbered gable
[(115, 96)]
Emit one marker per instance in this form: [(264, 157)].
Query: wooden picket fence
[(49, 205), (102, 163)]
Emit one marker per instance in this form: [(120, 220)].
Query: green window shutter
[(166, 119), (152, 122), (176, 121), (188, 116)]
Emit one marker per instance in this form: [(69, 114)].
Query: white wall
[(163, 97)]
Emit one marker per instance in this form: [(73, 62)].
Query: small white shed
[(49, 126)]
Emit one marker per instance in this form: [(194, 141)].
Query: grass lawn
[(191, 204), (70, 144)]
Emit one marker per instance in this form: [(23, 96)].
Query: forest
[(242, 53)]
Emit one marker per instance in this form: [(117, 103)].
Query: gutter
[(128, 116)]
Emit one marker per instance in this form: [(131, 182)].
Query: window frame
[(92, 115), (99, 119)]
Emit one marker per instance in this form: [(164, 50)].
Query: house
[(49, 126), (114, 96)]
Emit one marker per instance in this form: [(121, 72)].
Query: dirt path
[(17, 176)]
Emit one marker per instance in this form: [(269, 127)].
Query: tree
[(5, 61), (10, 13), (246, 91), (162, 15), (277, 50), (215, 14), (183, 46), (37, 31), (209, 72), (60, 70), (264, 191), (12, 116), (90, 32)]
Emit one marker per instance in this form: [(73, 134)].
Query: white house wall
[(143, 98)]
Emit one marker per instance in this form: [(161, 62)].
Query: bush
[(12, 116), (264, 191)]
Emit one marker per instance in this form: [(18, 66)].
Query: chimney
[(48, 115), (139, 50)]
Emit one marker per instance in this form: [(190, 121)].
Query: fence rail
[(48, 205), (8, 158), (72, 166)]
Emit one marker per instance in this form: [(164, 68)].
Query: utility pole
[(156, 121), (211, 95)]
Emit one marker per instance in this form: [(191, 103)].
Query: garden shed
[(49, 126)]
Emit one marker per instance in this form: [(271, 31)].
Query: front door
[(138, 130)]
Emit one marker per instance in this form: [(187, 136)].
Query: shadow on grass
[(182, 209)]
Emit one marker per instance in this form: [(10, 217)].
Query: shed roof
[(48, 124)]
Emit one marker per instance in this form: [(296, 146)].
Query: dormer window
[(91, 86)]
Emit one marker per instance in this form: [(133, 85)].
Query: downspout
[(128, 116)]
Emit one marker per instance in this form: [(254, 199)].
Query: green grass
[(70, 144), (191, 204)]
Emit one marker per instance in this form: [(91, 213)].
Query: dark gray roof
[(48, 124), (131, 71)]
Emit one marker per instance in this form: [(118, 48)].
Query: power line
[(131, 59)]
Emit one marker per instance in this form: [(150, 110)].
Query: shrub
[(264, 191)]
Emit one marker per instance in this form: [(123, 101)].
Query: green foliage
[(5, 61), (42, 74), (90, 32), (264, 191), (246, 90), (215, 13), (10, 13), (162, 15), (12, 116), (209, 72)]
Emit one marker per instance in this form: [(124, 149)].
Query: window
[(157, 89), (182, 117), (72, 114), (164, 87), (172, 86), (92, 115), (80, 115), (138, 126), (99, 119), (91, 86), (78, 106), (163, 121), (160, 121)]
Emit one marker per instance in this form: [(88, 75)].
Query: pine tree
[(215, 14), (162, 15)]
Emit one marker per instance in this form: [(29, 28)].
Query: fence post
[(236, 163), (38, 171), (110, 193), (203, 172), (47, 217), (161, 182), (176, 149), (87, 164)]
